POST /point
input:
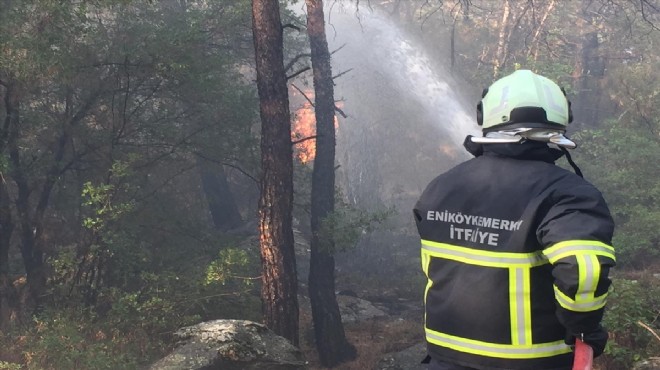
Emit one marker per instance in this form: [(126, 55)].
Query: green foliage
[(107, 201), (4, 365), (153, 309), (4, 163), (630, 303), (342, 229), (232, 263), (136, 92), (61, 340), (99, 198), (621, 160)]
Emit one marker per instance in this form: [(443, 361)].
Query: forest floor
[(373, 338)]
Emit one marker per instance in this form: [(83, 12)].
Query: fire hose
[(584, 356)]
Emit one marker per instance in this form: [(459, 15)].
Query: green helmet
[(523, 99), (524, 106)]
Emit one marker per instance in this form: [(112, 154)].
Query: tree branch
[(295, 59), (337, 109), (303, 94), (239, 169), (297, 73), (341, 112), (291, 25), (341, 74), (649, 329), (303, 139)]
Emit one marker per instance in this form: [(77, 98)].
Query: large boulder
[(231, 345)]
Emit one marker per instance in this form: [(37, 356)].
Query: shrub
[(60, 340), (631, 302)]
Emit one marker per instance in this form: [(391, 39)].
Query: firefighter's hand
[(596, 339)]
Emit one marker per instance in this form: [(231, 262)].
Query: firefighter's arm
[(577, 232)]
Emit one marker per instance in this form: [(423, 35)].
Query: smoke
[(406, 121)]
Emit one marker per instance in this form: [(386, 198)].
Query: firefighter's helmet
[(524, 105)]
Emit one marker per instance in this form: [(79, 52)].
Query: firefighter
[(516, 250)]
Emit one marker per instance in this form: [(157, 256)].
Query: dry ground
[(372, 339)]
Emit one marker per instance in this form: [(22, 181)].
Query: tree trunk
[(331, 343), (222, 205), (7, 293), (31, 217), (501, 40), (279, 280), (30, 250), (589, 68)]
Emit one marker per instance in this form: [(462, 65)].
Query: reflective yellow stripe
[(426, 261), (519, 265), (591, 304), (586, 254), (578, 247), (511, 351), (589, 275), (520, 310), (483, 258)]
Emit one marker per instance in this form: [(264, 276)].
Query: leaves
[(341, 230), (621, 160), (629, 302), (231, 264)]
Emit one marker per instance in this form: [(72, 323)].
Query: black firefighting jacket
[(517, 252)]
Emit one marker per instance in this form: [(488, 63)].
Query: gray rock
[(354, 309), (408, 359), (231, 345)]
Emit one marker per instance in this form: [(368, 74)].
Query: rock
[(408, 359), (231, 345), (652, 363), (354, 309)]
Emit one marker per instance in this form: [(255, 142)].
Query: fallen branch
[(649, 329)]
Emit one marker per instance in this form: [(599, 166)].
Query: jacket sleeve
[(576, 233)]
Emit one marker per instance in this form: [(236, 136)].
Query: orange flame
[(303, 130), (304, 127)]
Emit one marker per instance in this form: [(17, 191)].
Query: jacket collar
[(529, 150)]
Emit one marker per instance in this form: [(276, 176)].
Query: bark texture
[(331, 343), (279, 282)]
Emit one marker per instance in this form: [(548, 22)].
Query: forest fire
[(303, 130)]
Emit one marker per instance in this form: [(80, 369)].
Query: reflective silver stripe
[(497, 350), (562, 250), (520, 305), (588, 278), (483, 258), (591, 305)]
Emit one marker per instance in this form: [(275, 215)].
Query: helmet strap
[(570, 161)]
